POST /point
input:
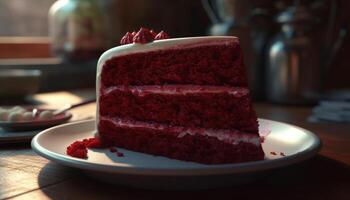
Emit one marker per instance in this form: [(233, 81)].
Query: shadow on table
[(14, 145), (317, 178)]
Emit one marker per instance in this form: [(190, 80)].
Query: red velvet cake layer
[(176, 143), (182, 105), (215, 64)]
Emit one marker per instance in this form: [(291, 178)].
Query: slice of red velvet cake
[(184, 98)]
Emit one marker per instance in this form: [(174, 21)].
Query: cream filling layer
[(178, 89), (228, 136)]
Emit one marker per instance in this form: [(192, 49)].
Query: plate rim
[(220, 169), (9, 125)]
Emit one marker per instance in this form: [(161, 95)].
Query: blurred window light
[(24, 17)]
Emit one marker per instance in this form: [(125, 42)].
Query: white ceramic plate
[(35, 124), (156, 172), (7, 136), (16, 137)]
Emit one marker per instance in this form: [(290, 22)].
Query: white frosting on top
[(163, 44), (174, 43)]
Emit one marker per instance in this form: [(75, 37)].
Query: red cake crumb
[(127, 38), (273, 153), (93, 143), (282, 154), (143, 36), (161, 35), (113, 149), (77, 149)]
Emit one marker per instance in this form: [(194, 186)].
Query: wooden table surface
[(25, 175)]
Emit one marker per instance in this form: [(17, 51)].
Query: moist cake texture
[(182, 105), (184, 98), (187, 67)]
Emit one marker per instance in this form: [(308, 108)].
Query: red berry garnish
[(127, 38), (133, 34), (154, 34), (161, 35), (143, 36)]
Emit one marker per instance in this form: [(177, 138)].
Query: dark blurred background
[(295, 51)]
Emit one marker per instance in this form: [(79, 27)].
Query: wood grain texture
[(19, 170), (24, 175), (306, 180)]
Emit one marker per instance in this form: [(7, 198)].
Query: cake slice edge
[(188, 144)]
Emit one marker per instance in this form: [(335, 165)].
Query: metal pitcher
[(293, 72), (297, 61), (253, 27)]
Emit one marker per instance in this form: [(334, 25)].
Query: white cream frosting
[(174, 43), (179, 89), (229, 136)]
